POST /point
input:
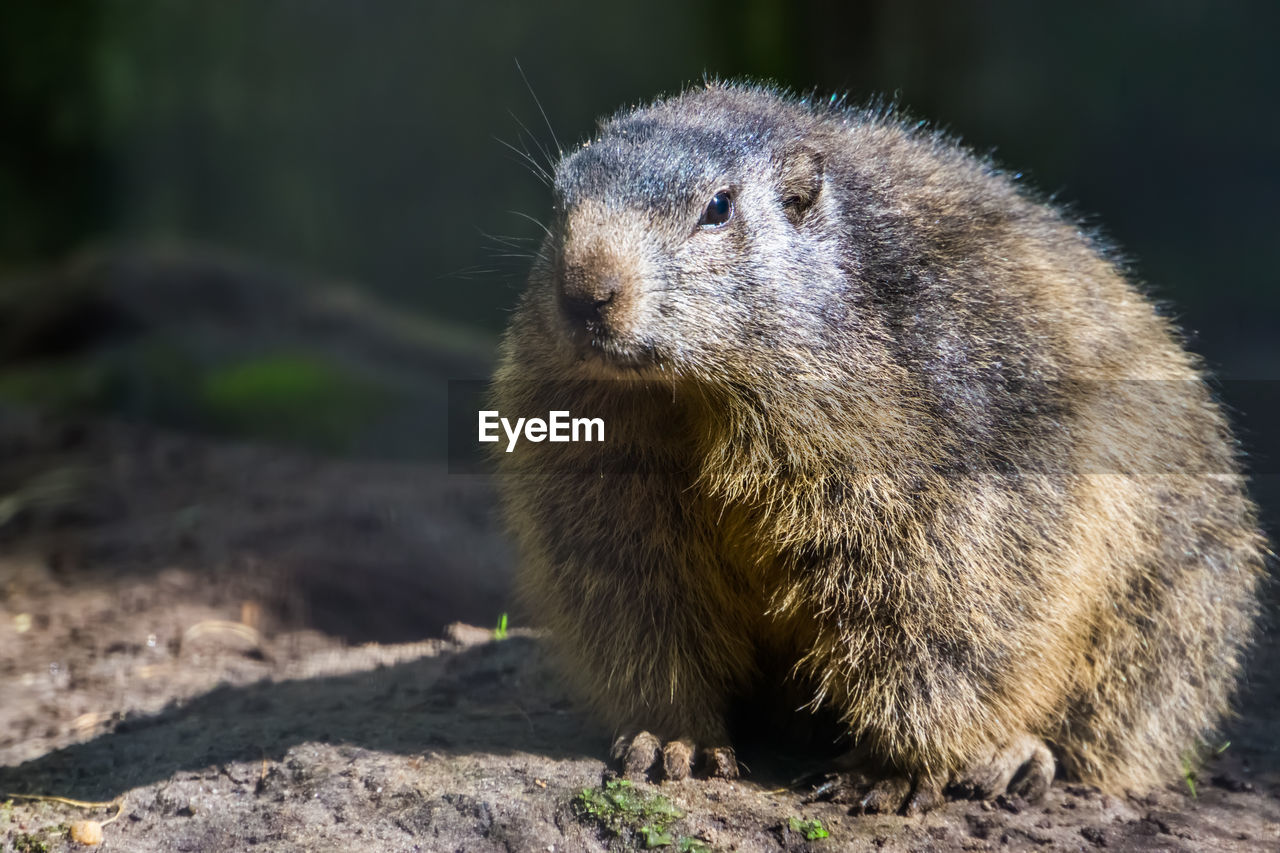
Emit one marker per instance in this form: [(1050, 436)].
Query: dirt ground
[(245, 648)]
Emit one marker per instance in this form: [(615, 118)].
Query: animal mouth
[(610, 351), (598, 348)]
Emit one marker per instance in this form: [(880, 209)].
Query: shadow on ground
[(477, 699)]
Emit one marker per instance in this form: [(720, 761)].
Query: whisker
[(514, 238), (551, 163), (538, 172), (544, 228), (468, 273), (507, 240), (559, 147)]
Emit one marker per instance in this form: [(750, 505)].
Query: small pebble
[(87, 832)]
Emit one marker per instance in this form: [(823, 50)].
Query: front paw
[(1023, 767), (882, 794), (643, 757)]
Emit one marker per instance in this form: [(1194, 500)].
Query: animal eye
[(719, 211)]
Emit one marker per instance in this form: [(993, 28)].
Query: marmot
[(880, 414)]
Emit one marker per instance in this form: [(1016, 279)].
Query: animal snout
[(586, 296)]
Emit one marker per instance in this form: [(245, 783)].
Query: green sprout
[(812, 830), (622, 809)]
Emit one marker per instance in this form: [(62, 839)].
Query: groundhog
[(889, 437)]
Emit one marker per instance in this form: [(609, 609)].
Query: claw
[(825, 791), (886, 796), (721, 763), (677, 760), (926, 797), (643, 757), (638, 755)]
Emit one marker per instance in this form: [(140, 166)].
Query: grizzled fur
[(898, 425)]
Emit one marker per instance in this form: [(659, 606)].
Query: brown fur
[(898, 424)]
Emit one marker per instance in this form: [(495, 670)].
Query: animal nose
[(585, 299)]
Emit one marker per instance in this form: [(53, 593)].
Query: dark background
[(357, 142)]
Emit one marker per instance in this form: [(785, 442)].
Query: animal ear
[(800, 181)]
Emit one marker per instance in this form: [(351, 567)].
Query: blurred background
[(295, 221), (248, 248)]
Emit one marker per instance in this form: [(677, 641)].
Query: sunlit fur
[(899, 424)]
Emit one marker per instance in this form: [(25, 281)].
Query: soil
[(242, 647)]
